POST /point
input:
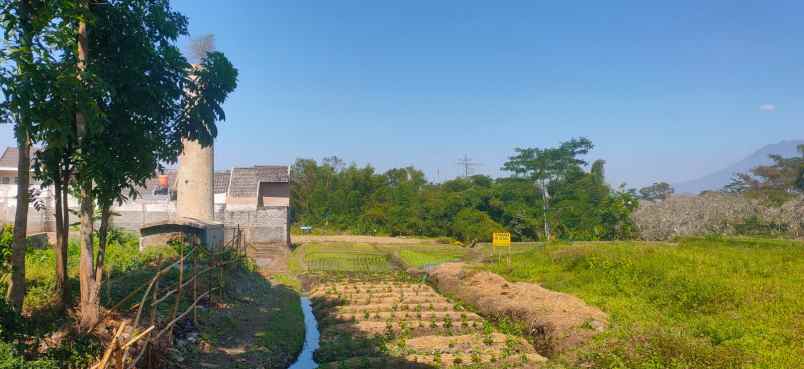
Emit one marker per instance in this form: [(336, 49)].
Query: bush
[(472, 224), (6, 239)]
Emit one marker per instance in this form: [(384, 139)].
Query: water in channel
[(311, 337)]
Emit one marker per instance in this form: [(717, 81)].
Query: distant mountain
[(717, 180)]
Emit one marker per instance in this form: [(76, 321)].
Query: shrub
[(472, 224), (6, 239)]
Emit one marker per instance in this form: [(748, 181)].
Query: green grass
[(430, 255), (700, 303), (123, 259), (342, 257), (275, 308)]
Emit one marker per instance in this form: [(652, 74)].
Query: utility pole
[(467, 164)]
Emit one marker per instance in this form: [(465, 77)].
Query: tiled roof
[(272, 173), (245, 181), (11, 156), (221, 184)]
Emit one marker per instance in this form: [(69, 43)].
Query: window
[(6, 180)]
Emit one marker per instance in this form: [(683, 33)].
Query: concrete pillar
[(194, 182)]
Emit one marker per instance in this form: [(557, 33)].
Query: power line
[(467, 164)]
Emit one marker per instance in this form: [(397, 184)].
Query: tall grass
[(122, 257), (698, 303)]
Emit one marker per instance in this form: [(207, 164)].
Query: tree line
[(103, 91), (550, 193)]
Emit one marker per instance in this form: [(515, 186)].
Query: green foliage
[(656, 191), (11, 323), (333, 197), (472, 224), (714, 303), (6, 240), (775, 183)]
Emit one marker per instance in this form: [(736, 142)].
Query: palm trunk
[(90, 309), (16, 286)]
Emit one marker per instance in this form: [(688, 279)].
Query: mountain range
[(716, 180)]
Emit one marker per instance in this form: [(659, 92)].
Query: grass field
[(701, 303), (697, 303)]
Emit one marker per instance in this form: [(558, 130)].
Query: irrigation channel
[(311, 337)]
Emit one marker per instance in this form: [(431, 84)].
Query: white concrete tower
[(194, 182)]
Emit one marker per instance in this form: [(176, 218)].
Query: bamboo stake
[(110, 350), (154, 309), (138, 337), (178, 293), (171, 323), (154, 281)]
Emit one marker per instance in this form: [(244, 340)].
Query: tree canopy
[(401, 201)]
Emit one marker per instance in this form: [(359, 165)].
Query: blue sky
[(667, 91)]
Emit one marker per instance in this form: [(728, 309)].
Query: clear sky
[(666, 90)]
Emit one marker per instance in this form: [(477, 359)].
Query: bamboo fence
[(145, 336)]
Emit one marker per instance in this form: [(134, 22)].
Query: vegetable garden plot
[(394, 324)]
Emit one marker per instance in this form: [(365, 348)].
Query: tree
[(773, 184), (546, 166), (146, 98), (800, 180), (656, 191), (22, 88)]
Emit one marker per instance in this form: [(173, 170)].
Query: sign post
[(501, 239)]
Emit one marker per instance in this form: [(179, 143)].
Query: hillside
[(720, 178)]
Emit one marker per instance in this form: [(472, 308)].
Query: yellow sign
[(501, 239)]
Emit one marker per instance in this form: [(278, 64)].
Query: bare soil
[(556, 322)]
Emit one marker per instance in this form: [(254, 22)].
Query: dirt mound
[(557, 322)]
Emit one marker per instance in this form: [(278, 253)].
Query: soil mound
[(557, 322)]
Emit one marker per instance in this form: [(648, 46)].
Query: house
[(256, 198)]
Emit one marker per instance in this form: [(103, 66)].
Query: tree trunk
[(546, 208), (90, 308), (89, 289), (103, 239), (16, 286), (61, 262), (65, 231)]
